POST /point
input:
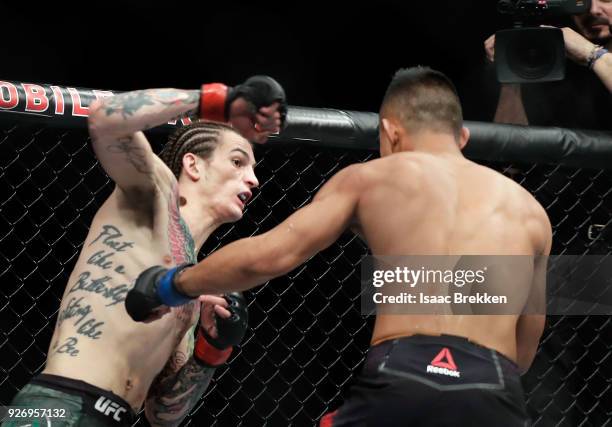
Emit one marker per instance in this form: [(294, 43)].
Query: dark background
[(327, 54)]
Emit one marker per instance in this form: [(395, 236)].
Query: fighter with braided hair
[(102, 366)]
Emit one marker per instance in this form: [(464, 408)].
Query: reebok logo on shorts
[(443, 364)]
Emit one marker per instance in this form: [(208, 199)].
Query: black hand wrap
[(213, 352), (154, 287), (230, 331), (261, 91)]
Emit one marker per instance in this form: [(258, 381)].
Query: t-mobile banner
[(55, 105), (488, 285)]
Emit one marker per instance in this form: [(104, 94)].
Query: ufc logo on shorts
[(107, 407)]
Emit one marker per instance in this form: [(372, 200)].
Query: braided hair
[(199, 138)]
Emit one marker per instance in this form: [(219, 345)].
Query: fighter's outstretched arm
[(252, 261), (249, 262)]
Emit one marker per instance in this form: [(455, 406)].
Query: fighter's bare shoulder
[(528, 200), (379, 168), (533, 214)]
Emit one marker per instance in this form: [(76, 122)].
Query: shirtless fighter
[(423, 197), (101, 365)]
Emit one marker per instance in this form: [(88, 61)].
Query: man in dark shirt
[(584, 98)]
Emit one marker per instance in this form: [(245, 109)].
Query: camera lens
[(531, 57)]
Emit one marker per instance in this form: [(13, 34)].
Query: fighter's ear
[(464, 137), (385, 127), (192, 166), (391, 132)]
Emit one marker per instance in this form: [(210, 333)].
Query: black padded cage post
[(306, 336)]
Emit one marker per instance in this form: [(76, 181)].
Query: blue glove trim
[(166, 291)]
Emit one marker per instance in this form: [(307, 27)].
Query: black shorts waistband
[(446, 362), (96, 401), (457, 341)]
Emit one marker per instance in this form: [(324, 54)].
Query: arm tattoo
[(136, 155), (172, 396), (193, 97), (129, 103)]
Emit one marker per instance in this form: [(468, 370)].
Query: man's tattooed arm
[(123, 151), (178, 387), (130, 112)]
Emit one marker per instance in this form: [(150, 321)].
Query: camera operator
[(584, 98)]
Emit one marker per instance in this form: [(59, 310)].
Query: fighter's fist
[(221, 328), (255, 108)]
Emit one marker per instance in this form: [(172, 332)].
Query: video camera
[(542, 8), (529, 53)]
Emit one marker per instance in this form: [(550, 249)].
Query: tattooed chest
[(182, 247), (100, 284)]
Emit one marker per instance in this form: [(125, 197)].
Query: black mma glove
[(154, 287), (260, 91), (213, 352)]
